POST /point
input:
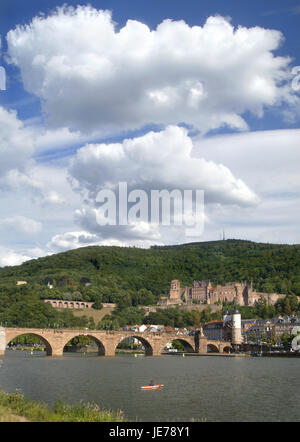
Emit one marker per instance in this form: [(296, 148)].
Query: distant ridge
[(221, 241)]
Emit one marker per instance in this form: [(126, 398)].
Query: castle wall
[(198, 292), (271, 298), (222, 293), (202, 291)]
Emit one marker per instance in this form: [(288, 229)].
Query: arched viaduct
[(154, 343)]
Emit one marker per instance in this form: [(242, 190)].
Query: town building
[(286, 325), (214, 330), (272, 329), (21, 282), (246, 325)]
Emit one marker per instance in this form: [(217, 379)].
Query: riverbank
[(14, 407), (7, 416), (239, 355), (223, 355)]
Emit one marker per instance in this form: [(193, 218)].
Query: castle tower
[(175, 289), (186, 296), (250, 292), (236, 327), (239, 288)]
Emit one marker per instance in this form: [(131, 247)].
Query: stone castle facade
[(203, 292)]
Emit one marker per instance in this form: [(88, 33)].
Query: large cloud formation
[(267, 160), (156, 160), (91, 76)]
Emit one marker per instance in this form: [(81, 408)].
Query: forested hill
[(111, 273)]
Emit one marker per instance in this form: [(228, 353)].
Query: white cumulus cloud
[(157, 160), (9, 257), (75, 239), (16, 144), (21, 224), (91, 76)]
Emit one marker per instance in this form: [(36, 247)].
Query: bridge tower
[(236, 328), (226, 316)]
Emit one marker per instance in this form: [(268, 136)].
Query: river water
[(198, 388)]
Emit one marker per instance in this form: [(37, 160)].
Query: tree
[(287, 306), (178, 345), (91, 323), (273, 336), (264, 337), (285, 339), (262, 309), (108, 324), (294, 302), (252, 336), (97, 304), (81, 341)]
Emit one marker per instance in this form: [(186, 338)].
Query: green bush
[(59, 412)]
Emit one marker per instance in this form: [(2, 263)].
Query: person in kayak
[(151, 383)]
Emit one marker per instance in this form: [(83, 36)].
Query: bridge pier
[(56, 353), (110, 351), (155, 352), (202, 347)]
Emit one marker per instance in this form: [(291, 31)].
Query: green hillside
[(113, 270), (133, 276)]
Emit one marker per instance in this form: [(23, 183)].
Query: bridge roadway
[(154, 343)]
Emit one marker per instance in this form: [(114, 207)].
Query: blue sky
[(220, 83)]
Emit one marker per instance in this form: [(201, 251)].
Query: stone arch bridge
[(154, 343)]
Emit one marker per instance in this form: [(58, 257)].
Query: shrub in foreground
[(59, 412)]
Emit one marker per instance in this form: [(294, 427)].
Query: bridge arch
[(146, 344), (212, 348), (100, 345), (187, 346), (17, 334)]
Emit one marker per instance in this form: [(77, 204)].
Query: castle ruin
[(203, 292)]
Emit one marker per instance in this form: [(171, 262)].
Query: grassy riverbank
[(14, 407), (7, 416)]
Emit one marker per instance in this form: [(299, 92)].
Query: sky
[(162, 94)]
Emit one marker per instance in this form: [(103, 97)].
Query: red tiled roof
[(169, 329), (216, 321)]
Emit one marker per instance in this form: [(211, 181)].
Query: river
[(199, 388)]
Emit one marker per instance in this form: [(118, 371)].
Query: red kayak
[(152, 387)]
